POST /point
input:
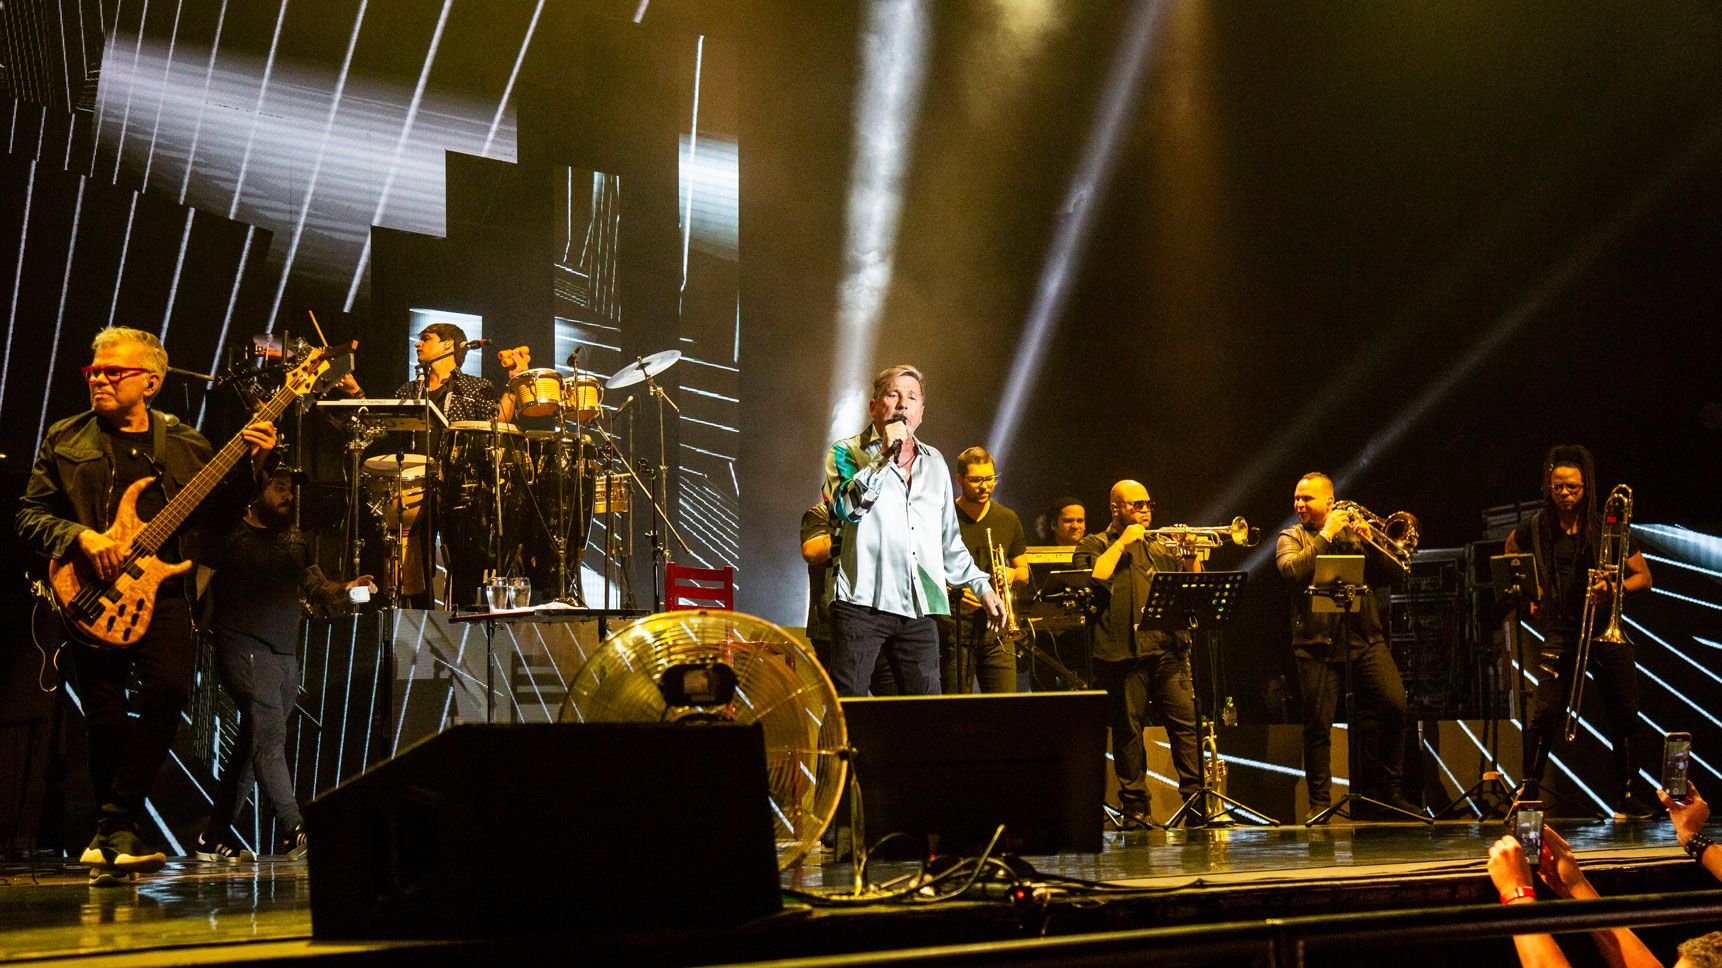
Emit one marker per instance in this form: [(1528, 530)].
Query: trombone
[(1395, 536), (1611, 554), (1181, 538)]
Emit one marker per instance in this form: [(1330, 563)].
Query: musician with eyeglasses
[(1145, 674), (1322, 641), (85, 467), (1564, 536), (969, 653)]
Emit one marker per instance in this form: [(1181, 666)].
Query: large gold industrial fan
[(725, 667)]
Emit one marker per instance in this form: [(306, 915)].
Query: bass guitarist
[(86, 465)]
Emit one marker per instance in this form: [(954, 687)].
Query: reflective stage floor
[(208, 914)]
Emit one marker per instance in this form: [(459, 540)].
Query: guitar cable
[(42, 593)]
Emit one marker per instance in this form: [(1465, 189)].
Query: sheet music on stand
[(1183, 600), (386, 413)]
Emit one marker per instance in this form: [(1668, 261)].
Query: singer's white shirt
[(899, 544)]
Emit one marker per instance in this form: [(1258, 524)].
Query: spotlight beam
[(893, 64), (1065, 257)]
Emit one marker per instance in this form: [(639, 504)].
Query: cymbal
[(642, 368), (396, 465)]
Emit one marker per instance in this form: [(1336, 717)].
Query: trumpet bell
[(1242, 534)]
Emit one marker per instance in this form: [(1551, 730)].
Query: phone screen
[(1528, 828), (1676, 755)]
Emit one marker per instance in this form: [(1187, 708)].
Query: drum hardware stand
[(624, 568), (1202, 603), (660, 493), (1346, 598), (361, 433)]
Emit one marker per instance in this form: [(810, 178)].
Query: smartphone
[(1676, 754), (1528, 828)]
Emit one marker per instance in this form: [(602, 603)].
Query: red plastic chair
[(687, 587)]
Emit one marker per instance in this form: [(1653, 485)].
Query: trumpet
[(1395, 536), (1181, 538), (1002, 584), (1611, 552)]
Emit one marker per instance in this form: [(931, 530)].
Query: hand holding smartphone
[(1528, 829), (1676, 756)]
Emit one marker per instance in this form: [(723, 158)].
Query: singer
[(900, 545)]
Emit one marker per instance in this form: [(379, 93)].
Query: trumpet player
[(1143, 673), (1322, 642), (1564, 536), (969, 651)]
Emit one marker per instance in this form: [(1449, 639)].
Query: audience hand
[(1508, 867), (1688, 815), (1560, 869)]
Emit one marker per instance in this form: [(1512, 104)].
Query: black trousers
[(1138, 689), (1380, 696), (126, 753), (860, 634), (968, 654), (1614, 680)]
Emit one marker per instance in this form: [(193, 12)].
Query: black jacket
[(1313, 632), (71, 483)]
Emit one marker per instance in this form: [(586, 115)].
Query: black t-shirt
[(134, 459), (1007, 533), (259, 579), (1563, 572)]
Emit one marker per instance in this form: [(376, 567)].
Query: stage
[(1174, 880)]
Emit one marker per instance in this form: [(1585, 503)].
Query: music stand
[(1201, 602), (1337, 588), (1514, 579)]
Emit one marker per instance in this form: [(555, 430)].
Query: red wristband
[(1523, 890)]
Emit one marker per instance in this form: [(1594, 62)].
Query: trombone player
[(1142, 672), (1566, 536), (1321, 643)]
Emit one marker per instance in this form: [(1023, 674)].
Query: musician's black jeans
[(1380, 696), (968, 654), (1140, 691), (1614, 681), (126, 753)]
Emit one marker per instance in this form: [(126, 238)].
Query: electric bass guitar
[(115, 614)]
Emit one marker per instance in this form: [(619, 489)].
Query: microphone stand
[(660, 493)]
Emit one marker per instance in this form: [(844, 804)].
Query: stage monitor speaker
[(956, 767), (576, 828)]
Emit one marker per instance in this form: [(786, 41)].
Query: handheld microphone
[(891, 451), (471, 344)]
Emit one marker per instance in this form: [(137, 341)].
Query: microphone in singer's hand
[(896, 445)]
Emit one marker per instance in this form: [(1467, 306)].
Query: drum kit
[(503, 502)]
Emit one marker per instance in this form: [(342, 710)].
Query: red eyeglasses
[(113, 374)]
